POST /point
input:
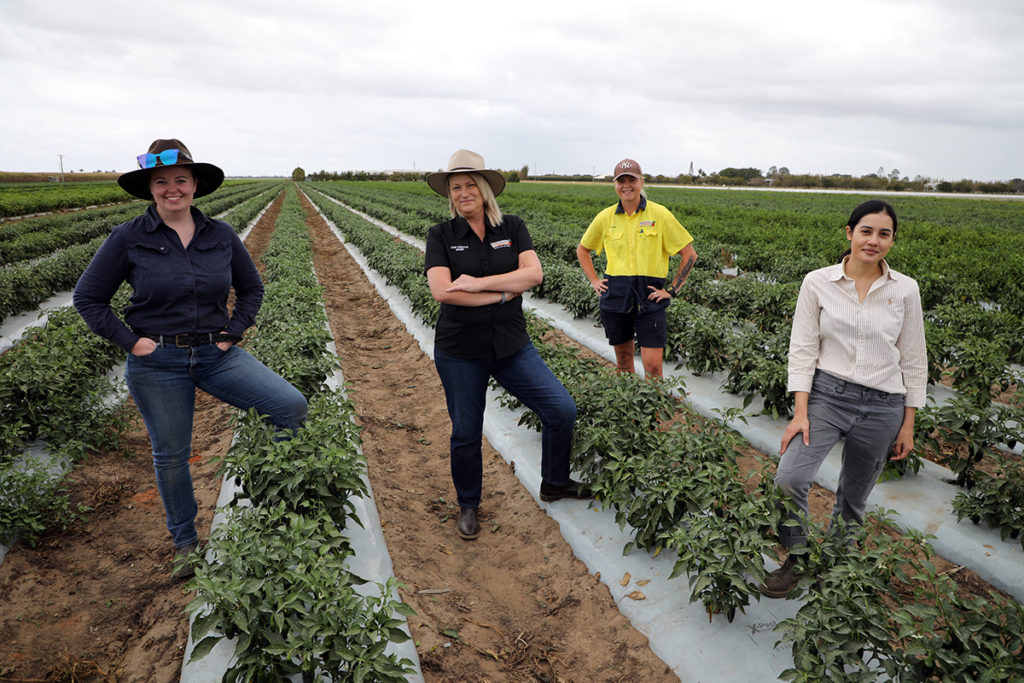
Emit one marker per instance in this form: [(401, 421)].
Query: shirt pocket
[(211, 263), (615, 248), (891, 318), (151, 265), (213, 255)]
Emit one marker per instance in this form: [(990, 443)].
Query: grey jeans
[(868, 419)]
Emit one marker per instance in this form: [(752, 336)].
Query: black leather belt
[(187, 339)]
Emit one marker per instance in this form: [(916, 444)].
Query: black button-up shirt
[(479, 332), (175, 289)]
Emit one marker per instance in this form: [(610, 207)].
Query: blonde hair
[(491, 209)]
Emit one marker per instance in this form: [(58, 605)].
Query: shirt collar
[(838, 271), (643, 205), (153, 219), (461, 229)]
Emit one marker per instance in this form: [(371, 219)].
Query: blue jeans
[(525, 376), (869, 420), (164, 384)]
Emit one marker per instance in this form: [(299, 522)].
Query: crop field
[(682, 485)]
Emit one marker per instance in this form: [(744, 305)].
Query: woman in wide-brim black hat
[(478, 264), (177, 330)]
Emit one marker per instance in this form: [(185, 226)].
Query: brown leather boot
[(780, 582), (467, 525)]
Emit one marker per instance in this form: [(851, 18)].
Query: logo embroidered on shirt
[(459, 247), (645, 224), (499, 244)]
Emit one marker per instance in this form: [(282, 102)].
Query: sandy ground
[(95, 603)]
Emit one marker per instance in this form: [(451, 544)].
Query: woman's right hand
[(798, 425), (143, 347), (600, 286)]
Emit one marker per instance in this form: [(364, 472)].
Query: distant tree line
[(510, 176), (742, 177), (781, 177)]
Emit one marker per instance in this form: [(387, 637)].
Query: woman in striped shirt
[(858, 369)]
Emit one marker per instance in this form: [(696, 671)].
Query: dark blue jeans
[(164, 385), (525, 376)]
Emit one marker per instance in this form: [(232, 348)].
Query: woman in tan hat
[(177, 330), (478, 264), (638, 237)]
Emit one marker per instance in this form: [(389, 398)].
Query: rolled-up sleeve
[(913, 350), (804, 339)]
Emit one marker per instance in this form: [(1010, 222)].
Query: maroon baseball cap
[(628, 167)]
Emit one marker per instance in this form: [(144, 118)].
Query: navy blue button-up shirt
[(175, 289)]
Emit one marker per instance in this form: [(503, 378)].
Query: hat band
[(164, 158)]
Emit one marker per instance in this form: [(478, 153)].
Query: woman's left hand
[(905, 437), (224, 345), (465, 283), (904, 442), (657, 294)]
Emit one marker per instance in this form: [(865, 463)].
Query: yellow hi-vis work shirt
[(637, 245)]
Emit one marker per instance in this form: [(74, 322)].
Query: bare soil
[(96, 602)]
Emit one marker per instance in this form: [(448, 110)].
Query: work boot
[(574, 489), (780, 582), (183, 563), (467, 525)]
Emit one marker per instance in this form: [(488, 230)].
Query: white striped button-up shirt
[(878, 343)]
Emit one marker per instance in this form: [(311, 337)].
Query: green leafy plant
[(996, 499), (33, 501), (318, 467), (962, 432), (292, 607), (757, 366)]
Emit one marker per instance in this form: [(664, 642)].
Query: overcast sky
[(259, 87)]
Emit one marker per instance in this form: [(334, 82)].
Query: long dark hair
[(867, 208)]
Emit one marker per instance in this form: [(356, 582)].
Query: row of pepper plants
[(740, 326), (675, 483), (46, 255), (55, 392), (20, 199), (279, 584)]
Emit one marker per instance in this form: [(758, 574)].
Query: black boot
[(574, 489)]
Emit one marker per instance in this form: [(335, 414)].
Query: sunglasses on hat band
[(164, 158)]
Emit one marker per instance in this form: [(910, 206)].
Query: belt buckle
[(177, 341)]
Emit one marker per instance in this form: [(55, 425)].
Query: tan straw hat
[(465, 161), (169, 152)]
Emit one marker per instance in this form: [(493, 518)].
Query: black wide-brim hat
[(136, 183)]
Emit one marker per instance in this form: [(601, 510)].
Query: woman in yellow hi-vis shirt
[(639, 236)]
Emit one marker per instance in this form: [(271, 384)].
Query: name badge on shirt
[(501, 244), (459, 247)]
